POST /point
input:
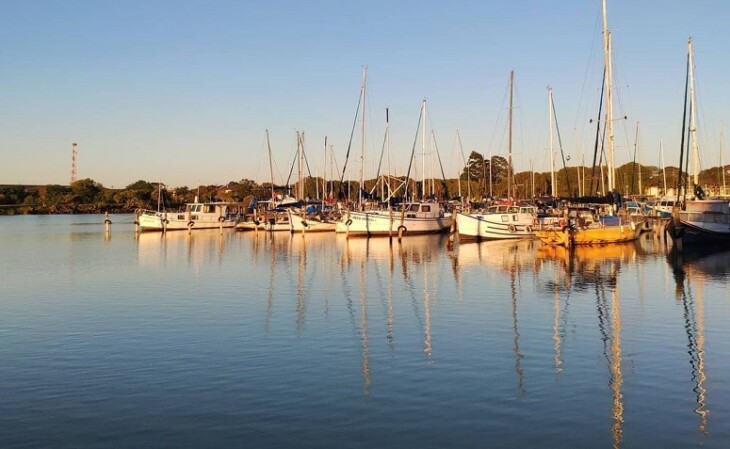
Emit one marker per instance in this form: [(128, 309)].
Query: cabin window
[(505, 218), (413, 208), (425, 208)]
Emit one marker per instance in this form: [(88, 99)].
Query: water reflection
[(199, 248), (696, 266), (596, 269)]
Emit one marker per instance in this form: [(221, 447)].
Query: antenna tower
[(74, 152)]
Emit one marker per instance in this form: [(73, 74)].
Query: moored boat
[(196, 215), (585, 227), (310, 223), (416, 218), (497, 222)]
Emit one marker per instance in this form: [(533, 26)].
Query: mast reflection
[(687, 268)]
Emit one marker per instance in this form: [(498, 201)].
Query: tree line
[(481, 178)]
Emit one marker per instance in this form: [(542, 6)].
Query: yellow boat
[(585, 227)]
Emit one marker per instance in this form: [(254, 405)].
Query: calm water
[(280, 341)]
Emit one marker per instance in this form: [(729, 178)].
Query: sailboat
[(413, 218), (500, 222), (586, 225), (703, 220)]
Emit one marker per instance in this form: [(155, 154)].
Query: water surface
[(316, 341)]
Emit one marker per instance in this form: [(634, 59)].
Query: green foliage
[(85, 191)]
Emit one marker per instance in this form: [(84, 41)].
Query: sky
[(183, 91)]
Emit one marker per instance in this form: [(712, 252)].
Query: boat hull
[(497, 226), (380, 223), (590, 236), (160, 221), (303, 224)]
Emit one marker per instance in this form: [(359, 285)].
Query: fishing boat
[(413, 219), (584, 226), (197, 215)]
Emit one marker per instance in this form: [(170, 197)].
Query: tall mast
[(692, 135), (362, 131), (637, 159), (324, 173), (722, 167), (608, 74), (664, 168), (271, 164), (509, 152), (553, 181), (300, 193), (423, 152)]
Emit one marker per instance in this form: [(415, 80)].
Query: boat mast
[(423, 152), (722, 167), (638, 157), (608, 74), (509, 152), (271, 165), (692, 136), (664, 168), (362, 131), (553, 181)]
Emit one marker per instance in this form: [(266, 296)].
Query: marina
[(458, 264), (315, 340)]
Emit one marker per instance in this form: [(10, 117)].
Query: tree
[(85, 191)]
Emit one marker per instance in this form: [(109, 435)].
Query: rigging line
[(438, 156), (385, 141), (598, 133), (293, 163), (684, 125), (352, 134), (490, 147), (560, 144), (588, 66), (413, 150), (304, 155)]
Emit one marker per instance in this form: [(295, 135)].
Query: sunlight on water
[(279, 340)]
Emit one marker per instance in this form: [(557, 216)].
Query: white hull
[(161, 221), (495, 226), (301, 224), (379, 223)]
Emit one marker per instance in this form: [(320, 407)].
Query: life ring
[(528, 229), (561, 223), (403, 228), (167, 221), (107, 221), (512, 228), (191, 224), (221, 219), (348, 222)]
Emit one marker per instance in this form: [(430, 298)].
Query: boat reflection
[(198, 249), (596, 269), (690, 270)]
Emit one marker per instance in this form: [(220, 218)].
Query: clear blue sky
[(182, 91)]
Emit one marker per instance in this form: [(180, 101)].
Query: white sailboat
[(413, 218), (499, 222)]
